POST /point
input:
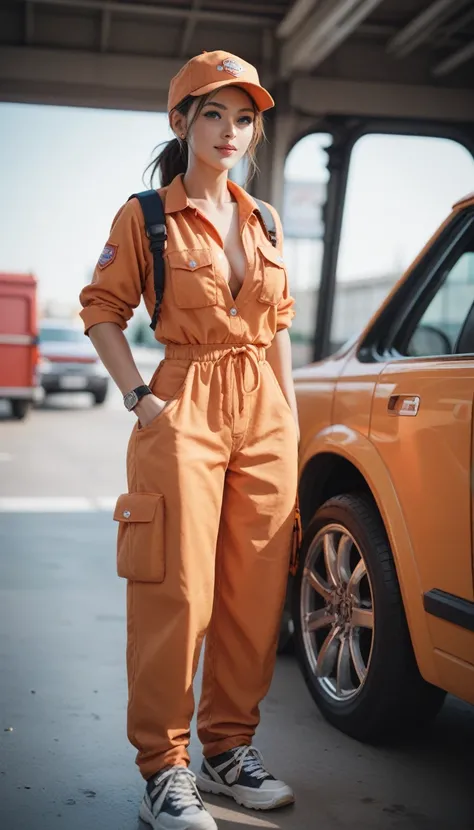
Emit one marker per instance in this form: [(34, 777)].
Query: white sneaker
[(172, 802), (240, 773)]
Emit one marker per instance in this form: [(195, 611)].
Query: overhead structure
[(327, 26), (343, 67), (424, 26), (122, 53), (466, 53)]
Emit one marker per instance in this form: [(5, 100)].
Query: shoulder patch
[(107, 256)]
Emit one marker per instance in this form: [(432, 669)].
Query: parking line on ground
[(56, 504)]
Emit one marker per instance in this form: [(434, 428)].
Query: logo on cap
[(231, 66)]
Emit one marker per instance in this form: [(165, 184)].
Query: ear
[(178, 123)]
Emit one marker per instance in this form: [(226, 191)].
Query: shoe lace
[(179, 788), (250, 760)]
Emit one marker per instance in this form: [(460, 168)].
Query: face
[(221, 134)]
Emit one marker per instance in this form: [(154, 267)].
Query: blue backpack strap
[(268, 222), (155, 227)]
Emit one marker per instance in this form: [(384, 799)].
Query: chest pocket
[(193, 277), (273, 275)]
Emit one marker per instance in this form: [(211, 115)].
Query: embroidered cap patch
[(232, 66), (107, 256)]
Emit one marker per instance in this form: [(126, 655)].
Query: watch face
[(130, 400)]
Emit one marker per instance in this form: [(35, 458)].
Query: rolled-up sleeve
[(286, 306), (120, 274)]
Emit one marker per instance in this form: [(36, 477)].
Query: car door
[(422, 426)]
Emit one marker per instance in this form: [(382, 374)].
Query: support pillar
[(339, 154), (280, 127)]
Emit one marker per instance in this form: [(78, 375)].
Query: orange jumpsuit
[(205, 530)]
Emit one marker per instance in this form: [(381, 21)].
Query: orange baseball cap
[(211, 70)]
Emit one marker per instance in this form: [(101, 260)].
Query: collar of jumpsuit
[(177, 200)]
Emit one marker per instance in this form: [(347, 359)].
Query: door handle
[(404, 405)]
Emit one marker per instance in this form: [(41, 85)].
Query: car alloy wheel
[(337, 613)]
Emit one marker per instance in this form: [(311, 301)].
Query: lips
[(226, 151)]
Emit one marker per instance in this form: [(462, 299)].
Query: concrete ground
[(64, 757)]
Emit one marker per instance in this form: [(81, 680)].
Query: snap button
[(192, 263), (126, 514), (233, 311)]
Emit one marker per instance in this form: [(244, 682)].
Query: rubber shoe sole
[(203, 821), (245, 796)]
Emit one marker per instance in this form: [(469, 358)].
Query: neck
[(203, 182)]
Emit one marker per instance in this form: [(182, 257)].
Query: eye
[(212, 114), (246, 119)]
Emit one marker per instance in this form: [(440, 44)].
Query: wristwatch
[(131, 398)]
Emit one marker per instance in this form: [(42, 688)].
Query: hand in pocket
[(148, 408)]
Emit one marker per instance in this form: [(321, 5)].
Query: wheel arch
[(340, 460)]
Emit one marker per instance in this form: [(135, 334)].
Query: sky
[(399, 190), (65, 171)]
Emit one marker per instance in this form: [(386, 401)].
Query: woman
[(205, 530)]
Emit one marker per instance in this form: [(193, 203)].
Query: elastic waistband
[(213, 352)]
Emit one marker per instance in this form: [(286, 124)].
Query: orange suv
[(383, 601)]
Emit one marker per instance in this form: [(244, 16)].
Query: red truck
[(18, 342)]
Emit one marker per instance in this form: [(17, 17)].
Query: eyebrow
[(223, 107)]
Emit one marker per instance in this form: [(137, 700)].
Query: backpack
[(155, 227)]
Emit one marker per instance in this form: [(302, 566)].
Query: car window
[(440, 328), (60, 335)]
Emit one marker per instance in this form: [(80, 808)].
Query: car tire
[(355, 650), (20, 409), (100, 396), (286, 640)]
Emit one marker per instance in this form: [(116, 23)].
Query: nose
[(229, 129)]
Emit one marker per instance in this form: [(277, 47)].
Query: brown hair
[(173, 158)]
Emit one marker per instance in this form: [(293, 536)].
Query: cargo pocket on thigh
[(141, 537)]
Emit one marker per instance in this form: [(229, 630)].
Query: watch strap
[(141, 391)]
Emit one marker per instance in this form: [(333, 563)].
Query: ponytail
[(169, 163), (173, 158)]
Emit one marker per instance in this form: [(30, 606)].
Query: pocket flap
[(137, 507), (190, 259), (272, 255)]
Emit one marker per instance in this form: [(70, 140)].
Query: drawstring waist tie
[(242, 362)]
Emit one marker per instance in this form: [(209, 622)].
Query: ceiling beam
[(380, 30), (278, 9), (458, 24), (105, 29), (423, 26), (76, 67), (328, 96), (266, 66), (29, 23), (453, 61), (295, 17), (143, 10), (323, 31), (189, 28), (76, 78)]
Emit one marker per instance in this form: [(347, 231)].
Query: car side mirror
[(429, 341)]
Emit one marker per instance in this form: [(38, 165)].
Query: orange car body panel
[(418, 469)]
